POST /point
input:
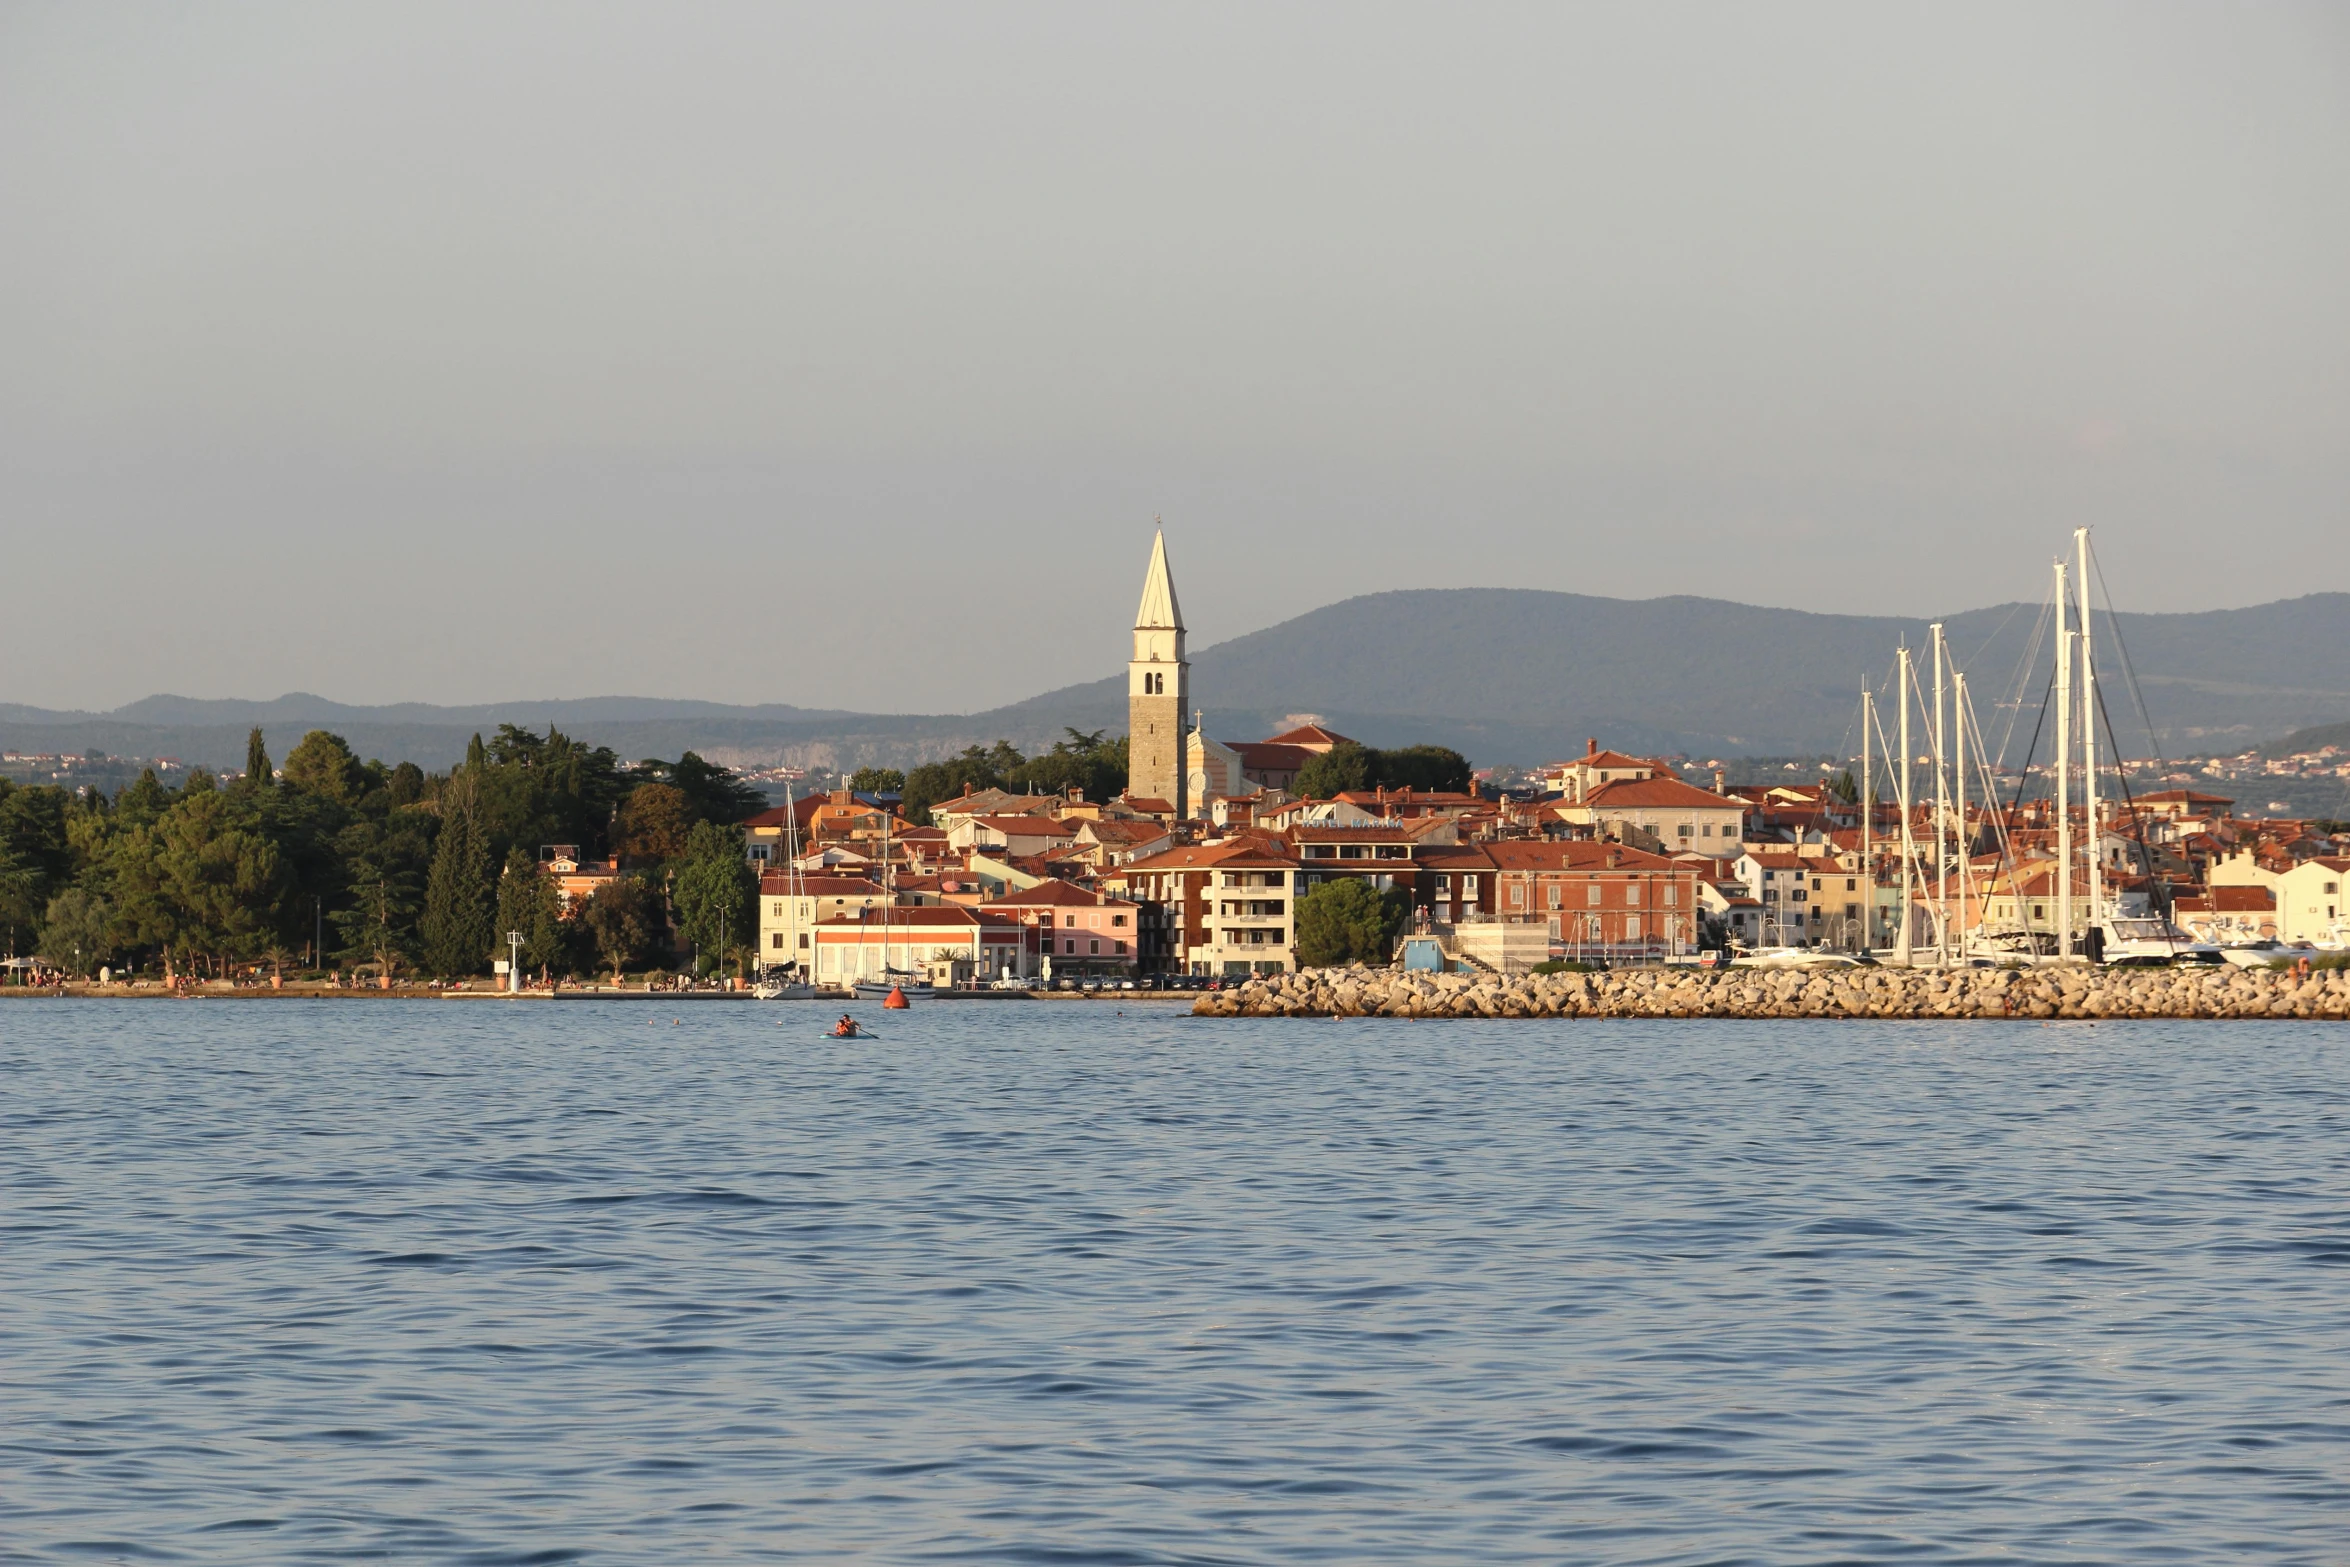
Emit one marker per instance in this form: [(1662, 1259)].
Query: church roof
[(1159, 611)]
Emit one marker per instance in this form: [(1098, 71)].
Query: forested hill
[(1504, 675), (1508, 674)]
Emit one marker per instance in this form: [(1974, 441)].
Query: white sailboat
[(788, 981), (894, 980)]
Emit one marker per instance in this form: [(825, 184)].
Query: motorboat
[(2146, 940), (1796, 957), (784, 988)]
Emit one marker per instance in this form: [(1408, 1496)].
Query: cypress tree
[(460, 896), (257, 768), (526, 902)]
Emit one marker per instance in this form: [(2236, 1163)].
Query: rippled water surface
[(444, 1282)]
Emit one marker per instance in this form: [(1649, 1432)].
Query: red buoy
[(897, 1001)]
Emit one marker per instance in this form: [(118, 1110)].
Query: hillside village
[(1199, 867)]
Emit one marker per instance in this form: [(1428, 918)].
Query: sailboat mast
[(1941, 809), (2064, 766), (1908, 838), (1958, 777), (1868, 821), (2089, 731)]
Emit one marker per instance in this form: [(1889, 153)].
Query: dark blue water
[(444, 1282)]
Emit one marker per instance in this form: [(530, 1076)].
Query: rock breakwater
[(2047, 992)]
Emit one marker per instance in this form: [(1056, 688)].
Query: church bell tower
[(1158, 691)]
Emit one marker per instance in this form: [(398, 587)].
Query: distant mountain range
[(1505, 675)]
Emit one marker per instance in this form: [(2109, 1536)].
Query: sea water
[(529, 1282)]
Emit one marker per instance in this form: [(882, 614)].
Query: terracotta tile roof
[(1025, 826), (1111, 830), (1313, 735), (1784, 860), (1527, 855), (1656, 793), (1201, 856)]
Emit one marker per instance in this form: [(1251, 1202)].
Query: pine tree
[(460, 897), (526, 903)]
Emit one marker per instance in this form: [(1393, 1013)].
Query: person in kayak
[(846, 1028)]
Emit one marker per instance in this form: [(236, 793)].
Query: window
[(1632, 895), (1093, 948), (1595, 895), (1443, 885), (1121, 949), (1558, 896), (1705, 830), (803, 942), (1851, 884), (1554, 925), (1517, 894), (1070, 946), (1684, 831), (1631, 927), (1117, 920), (1070, 920), (778, 941), (1672, 894)]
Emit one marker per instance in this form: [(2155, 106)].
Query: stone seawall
[(2048, 992)]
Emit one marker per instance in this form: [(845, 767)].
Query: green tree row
[(1349, 768), (350, 862), (1088, 761)]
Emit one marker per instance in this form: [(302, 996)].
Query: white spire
[(1159, 611)]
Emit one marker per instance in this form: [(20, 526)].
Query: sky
[(844, 355)]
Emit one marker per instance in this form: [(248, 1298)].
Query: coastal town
[(1177, 858), (1208, 864)]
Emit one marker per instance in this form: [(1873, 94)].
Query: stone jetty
[(2053, 991)]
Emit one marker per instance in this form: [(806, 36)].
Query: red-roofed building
[(1573, 780), (1311, 738), (1674, 816), (768, 835), (788, 913), (941, 945), (2176, 804), (2228, 914), (1600, 899), (1014, 835), (1219, 909), (1080, 931)]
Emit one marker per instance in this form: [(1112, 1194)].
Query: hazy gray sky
[(842, 355)]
